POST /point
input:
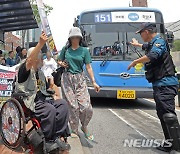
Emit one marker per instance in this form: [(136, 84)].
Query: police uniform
[(160, 71)]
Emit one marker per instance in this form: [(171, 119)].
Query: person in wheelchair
[(53, 115)]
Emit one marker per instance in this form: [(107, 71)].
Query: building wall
[(11, 41), (33, 34), (139, 3)]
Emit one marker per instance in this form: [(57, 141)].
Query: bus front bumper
[(111, 92)]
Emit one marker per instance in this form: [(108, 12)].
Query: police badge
[(157, 44)]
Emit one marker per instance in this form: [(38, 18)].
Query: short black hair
[(1, 52), (23, 49), (10, 52), (18, 49)]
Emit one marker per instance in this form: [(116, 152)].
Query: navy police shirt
[(158, 48)]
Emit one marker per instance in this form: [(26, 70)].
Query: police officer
[(160, 71)]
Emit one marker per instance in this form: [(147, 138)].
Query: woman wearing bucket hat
[(73, 82)]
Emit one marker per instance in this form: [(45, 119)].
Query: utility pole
[(27, 40)]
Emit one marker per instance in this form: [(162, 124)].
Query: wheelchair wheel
[(13, 125)]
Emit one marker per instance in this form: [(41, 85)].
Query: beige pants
[(75, 91)]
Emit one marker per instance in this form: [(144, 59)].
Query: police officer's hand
[(132, 65), (135, 43), (43, 38)]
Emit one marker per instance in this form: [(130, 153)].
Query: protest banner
[(7, 75)]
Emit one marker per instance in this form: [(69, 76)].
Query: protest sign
[(46, 28)]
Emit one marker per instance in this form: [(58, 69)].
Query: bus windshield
[(111, 39), (108, 31)]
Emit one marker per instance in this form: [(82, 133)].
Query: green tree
[(48, 10), (176, 45)]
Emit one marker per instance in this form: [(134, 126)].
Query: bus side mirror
[(76, 22), (170, 38)]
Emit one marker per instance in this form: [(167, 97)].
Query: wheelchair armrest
[(20, 94)]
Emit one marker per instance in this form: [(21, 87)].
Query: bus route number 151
[(103, 17)]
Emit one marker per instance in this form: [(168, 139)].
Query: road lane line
[(149, 100), (133, 127), (149, 115)]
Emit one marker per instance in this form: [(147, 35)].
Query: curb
[(176, 101)]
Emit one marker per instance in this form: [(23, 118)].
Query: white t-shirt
[(49, 67)]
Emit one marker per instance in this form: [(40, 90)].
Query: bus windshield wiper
[(134, 49), (116, 46), (106, 59)]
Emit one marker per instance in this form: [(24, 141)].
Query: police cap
[(146, 26)]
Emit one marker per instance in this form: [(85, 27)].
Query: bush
[(176, 45)]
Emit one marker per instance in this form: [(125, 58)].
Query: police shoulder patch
[(158, 44)]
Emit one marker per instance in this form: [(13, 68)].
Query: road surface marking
[(149, 100), (133, 127), (149, 115)]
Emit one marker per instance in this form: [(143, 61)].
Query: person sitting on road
[(52, 114)]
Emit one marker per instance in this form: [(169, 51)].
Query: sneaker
[(51, 146)]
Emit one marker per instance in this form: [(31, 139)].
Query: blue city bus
[(107, 33)]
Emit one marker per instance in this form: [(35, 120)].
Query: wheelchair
[(14, 118)]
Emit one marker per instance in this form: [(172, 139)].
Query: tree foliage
[(176, 45), (48, 9)]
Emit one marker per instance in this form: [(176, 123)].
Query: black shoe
[(51, 146), (165, 149), (62, 145)]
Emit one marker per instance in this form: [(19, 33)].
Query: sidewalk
[(76, 147), (177, 103)]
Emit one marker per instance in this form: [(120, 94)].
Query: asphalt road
[(116, 120)]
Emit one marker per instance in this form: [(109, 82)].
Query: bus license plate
[(126, 94)]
